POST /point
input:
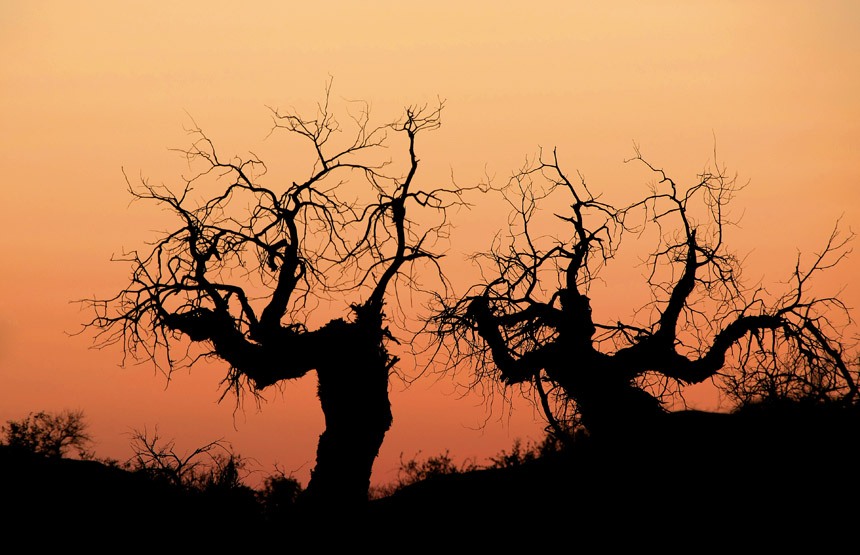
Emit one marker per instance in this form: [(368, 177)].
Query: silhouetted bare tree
[(531, 321), (249, 263)]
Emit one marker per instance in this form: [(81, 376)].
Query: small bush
[(279, 495), (520, 454), (415, 470), (50, 435), (213, 466)]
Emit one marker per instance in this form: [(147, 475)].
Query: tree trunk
[(620, 412), (609, 404), (353, 392)]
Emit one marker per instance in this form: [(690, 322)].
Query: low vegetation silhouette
[(250, 262), (213, 465), (774, 464), (195, 493)]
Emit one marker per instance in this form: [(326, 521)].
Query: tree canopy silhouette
[(249, 262), (531, 322)]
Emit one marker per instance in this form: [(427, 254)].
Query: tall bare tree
[(249, 261), (531, 321)]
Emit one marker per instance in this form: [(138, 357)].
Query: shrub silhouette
[(49, 434), (279, 496), (213, 466)]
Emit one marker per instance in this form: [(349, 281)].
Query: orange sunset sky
[(88, 89)]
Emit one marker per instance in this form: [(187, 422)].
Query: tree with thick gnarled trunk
[(531, 322), (241, 270)]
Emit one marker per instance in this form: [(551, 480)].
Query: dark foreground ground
[(759, 479)]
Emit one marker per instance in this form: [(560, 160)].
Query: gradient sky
[(87, 89)]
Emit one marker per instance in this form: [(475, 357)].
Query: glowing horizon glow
[(87, 91)]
